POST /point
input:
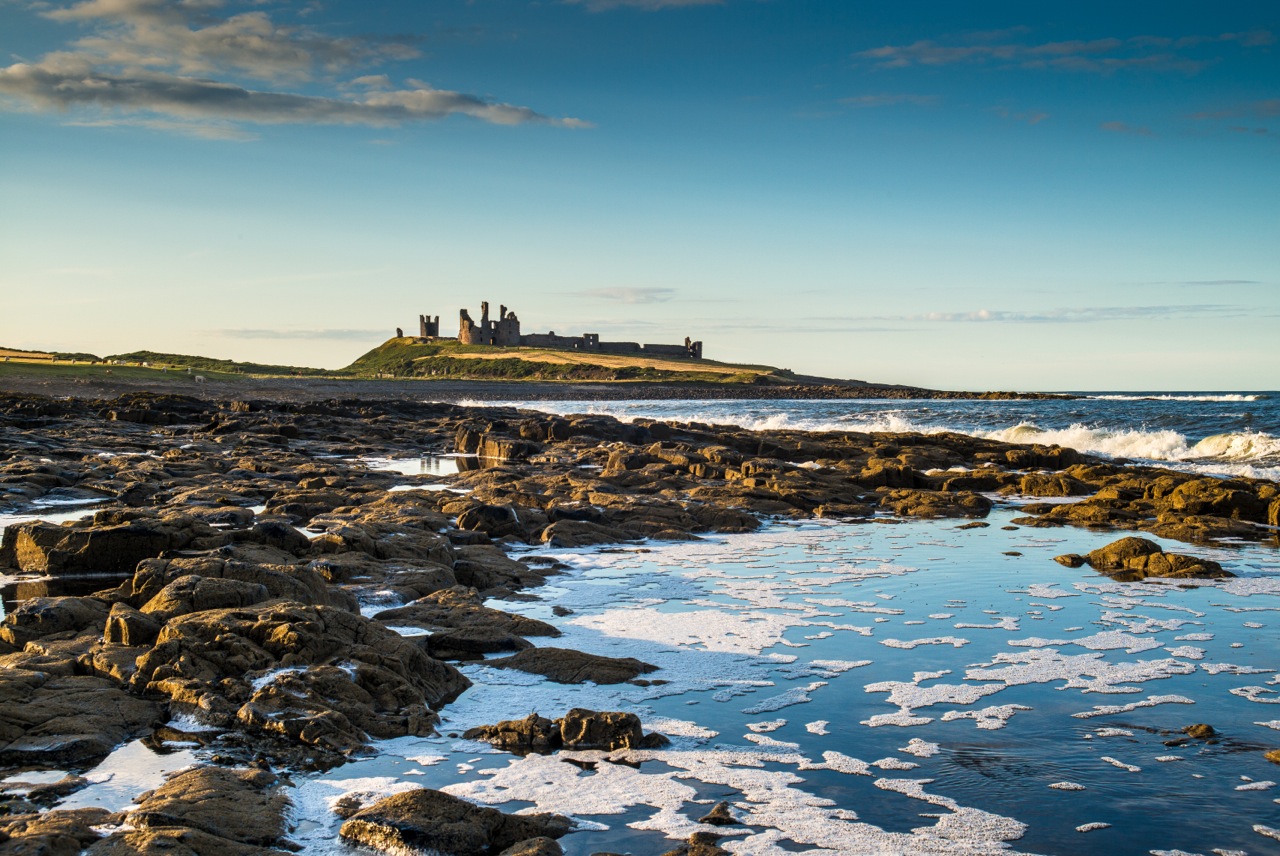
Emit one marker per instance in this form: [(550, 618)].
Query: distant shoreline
[(310, 389)]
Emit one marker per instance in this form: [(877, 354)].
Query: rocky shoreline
[(243, 577)]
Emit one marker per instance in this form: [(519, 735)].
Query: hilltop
[(448, 359)]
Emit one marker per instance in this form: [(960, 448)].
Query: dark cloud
[(1266, 109), (165, 64)]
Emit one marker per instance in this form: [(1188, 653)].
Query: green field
[(403, 358)]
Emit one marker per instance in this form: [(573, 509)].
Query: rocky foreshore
[(243, 573)]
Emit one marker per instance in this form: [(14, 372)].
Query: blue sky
[(983, 195)]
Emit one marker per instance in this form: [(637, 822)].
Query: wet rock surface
[(578, 729), (234, 548), (426, 820), (1131, 559)]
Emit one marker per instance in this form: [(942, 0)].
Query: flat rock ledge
[(578, 729), (430, 821), (567, 666), (1133, 559)]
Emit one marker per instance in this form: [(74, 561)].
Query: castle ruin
[(504, 332)]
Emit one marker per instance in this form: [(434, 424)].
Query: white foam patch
[(1150, 701), (1067, 786), (1256, 786), (1258, 695), (819, 727), (1115, 762), (766, 726), (1112, 640), (797, 695), (840, 763), (988, 718), (953, 641), (920, 748), (1092, 827)]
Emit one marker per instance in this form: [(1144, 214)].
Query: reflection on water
[(427, 465)]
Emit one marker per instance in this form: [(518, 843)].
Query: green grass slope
[(407, 358)]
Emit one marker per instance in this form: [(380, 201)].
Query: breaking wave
[(1254, 454), (1174, 397)]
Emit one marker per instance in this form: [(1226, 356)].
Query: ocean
[(904, 687)]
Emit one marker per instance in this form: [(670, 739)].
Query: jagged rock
[(324, 677), (1218, 498), (192, 593), (540, 846), (241, 805), (1132, 559), (101, 546), (429, 820), (461, 607), (472, 643), (485, 567), (282, 536), (67, 719), (930, 503), (699, 844), (532, 735), (175, 842), (719, 816), (60, 832), (566, 666), (1200, 731), (44, 616), (127, 626), (578, 729), (581, 533), (290, 582), (1273, 756), (1070, 560), (608, 730)]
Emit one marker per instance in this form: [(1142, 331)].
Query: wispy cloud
[(164, 65), (622, 294), (1265, 109), (1064, 315), (646, 5), (1104, 55), (334, 335), (1125, 128), (1031, 117), (890, 100)]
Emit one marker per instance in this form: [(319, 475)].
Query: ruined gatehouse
[(504, 332)]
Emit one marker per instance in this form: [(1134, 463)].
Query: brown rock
[(192, 593), (699, 844), (719, 816), (426, 819), (461, 607), (238, 805), (45, 616), (53, 833), (532, 735), (66, 720), (1200, 731), (1137, 558), (540, 846), (566, 666), (127, 626), (929, 503)]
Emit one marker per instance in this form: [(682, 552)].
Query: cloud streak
[(1105, 55), (1064, 315), (622, 294), (645, 5), (330, 335)]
